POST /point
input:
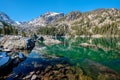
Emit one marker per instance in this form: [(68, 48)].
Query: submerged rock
[(34, 77), (27, 77), (58, 72), (99, 70)]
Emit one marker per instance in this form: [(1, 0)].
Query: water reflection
[(26, 52), (92, 57), (15, 59), (105, 51)]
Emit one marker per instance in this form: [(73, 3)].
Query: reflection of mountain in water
[(102, 50), (94, 59)]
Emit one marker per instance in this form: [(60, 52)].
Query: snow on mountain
[(5, 18), (45, 19), (17, 22)]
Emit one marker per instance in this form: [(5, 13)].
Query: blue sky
[(24, 10)]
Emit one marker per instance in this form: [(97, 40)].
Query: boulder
[(16, 42), (50, 41), (34, 77)]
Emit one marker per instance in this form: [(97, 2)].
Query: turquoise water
[(103, 51), (100, 58)]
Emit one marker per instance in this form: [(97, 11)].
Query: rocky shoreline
[(11, 43), (65, 72), (48, 68), (54, 72), (11, 47)]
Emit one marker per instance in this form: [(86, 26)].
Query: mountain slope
[(46, 19), (100, 21), (5, 18)]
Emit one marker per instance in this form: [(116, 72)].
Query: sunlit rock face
[(5, 18), (16, 42), (46, 18)]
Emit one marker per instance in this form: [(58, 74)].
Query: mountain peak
[(51, 14), (4, 17), (46, 19)]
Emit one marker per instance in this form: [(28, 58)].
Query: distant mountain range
[(42, 20), (74, 20), (5, 18)]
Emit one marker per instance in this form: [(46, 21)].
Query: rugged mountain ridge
[(5, 18), (99, 21), (43, 20), (77, 22), (46, 19)]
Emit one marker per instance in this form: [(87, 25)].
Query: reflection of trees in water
[(102, 43), (102, 49), (106, 42)]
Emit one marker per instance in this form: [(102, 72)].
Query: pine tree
[(23, 34), (3, 31)]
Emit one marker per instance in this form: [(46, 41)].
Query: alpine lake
[(87, 58)]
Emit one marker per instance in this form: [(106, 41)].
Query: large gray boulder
[(16, 42)]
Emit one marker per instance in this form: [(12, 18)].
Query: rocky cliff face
[(43, 20), (75, 21), (5, 18), (100, 21), (73, 15), (93, 22), (46, 18), (99, 17), (96, 17)]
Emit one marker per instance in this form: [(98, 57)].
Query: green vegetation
[(8, 30), (81, 28), (107, 29), (90, 59), (81, 31), (23, 34), (54, 31)]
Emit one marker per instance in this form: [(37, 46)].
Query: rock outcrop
[(16, 42), (5, 18), (50, 41)]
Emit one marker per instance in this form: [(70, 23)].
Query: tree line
[(54, 31), (8, 30), (107, 29)]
